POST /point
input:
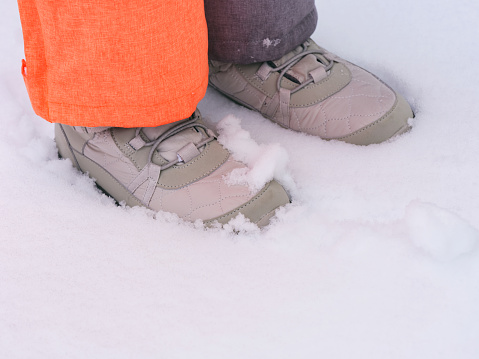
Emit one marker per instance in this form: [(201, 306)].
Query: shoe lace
[(184, 125), (287, 65)]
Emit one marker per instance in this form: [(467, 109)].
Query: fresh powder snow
[(376, 257)]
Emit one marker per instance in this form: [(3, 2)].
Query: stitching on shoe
[(129, 153), (188, 192), (357, 95), (238, 209), (335, 119), (176, 167), (293, 112), (347, 118), (309, 87), (114, 179), (178, 186), (333, 91), (217, 202), (350, 102), (70, 146), (372, 124), (266, 214), (221, 197), (247, 85), (117, 150), (262, 90)]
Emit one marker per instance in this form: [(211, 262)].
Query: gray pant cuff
[(273, 38)]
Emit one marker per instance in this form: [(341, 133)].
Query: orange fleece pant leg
[(124, 63)]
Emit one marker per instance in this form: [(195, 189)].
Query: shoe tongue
[(169, 148), (288, 56), (152, 133), (301, 70)]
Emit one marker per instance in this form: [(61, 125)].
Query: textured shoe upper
[(313, 91), (192, 189), (364, 100)]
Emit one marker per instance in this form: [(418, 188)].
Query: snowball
[(440, 233)]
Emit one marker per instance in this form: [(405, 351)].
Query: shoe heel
[(63, 145)]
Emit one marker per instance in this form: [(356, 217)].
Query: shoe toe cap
[(260, 208), (393, 123)]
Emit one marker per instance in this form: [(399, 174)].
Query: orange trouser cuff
[(126, 63)]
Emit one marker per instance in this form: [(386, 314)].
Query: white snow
[(376, 257), (264, 162), (442, 234)]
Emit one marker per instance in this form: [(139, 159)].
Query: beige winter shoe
[(178, 168), (311, 90)]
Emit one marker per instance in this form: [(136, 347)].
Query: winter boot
[(313, 91), (179, 168)]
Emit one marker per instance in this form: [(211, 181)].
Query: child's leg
[(114, 63)]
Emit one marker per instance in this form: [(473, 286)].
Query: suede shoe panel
[(261, 207)]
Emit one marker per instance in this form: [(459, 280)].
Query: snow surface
[(377, 257)]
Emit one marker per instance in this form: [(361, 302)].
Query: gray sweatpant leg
[(246, 31)]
